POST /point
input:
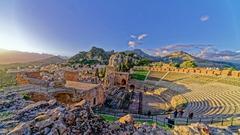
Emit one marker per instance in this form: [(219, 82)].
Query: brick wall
[(21, 80), (71, 76), (235, 74), (35, 75), (202, 71)]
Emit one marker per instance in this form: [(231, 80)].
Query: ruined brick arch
[(123, 82), (64, 97)]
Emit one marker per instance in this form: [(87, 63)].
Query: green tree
[(188, 64), (175, 64), (231, 68), (144, 62)]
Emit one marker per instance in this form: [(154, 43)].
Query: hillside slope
[(9, 56), (93, 56), (42, 62), (142, 54), (180, 56)]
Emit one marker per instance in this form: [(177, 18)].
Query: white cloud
[(133, 36), (133, 44), (204, 18), (136, 40), (139, 37), (142, 36)]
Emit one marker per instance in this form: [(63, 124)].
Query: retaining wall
[(202, 71)]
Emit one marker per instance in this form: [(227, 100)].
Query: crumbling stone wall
[(192, 70), (64, 97), (94, 96), (121, 79), (113, 78), (71, 75), (226, 72), (21, 80), (210, 72), (39, 96), (35, 74), (235, 73), (217, 72)]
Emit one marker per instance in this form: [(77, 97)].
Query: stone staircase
[(213, 103)]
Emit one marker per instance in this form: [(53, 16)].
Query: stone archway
[(123, 82)]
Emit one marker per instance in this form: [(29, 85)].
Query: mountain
[(42, 62), (123, 61), (93, 56), (141, 53), (50, 60), (100, 56), (9, 56), (180, 56)]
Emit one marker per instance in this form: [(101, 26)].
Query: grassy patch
[(108, 118), (139, 74), (26, 96), (6, 79), (150, 123), (5, 115)]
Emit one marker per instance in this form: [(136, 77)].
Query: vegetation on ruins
[(26, 96), (5, 115), (100, 72), (159, 64), (174, 64), (188, 64), (144, 62), (110, 118), (231, 68), (6, 79)]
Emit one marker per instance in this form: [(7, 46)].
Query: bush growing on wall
[(188, 64)]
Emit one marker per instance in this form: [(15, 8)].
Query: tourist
[(181, 113), (190, 116), (175, 113), (170, 122), (149, 113)]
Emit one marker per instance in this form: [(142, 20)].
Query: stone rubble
[(200, 129), (42, 118), (52, 118)]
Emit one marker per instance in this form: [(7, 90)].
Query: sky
[(205, 28)]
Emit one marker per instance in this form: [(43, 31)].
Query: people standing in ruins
[(170, 121), (181, 113), (175, 113), (190, 115), (149, 113)]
